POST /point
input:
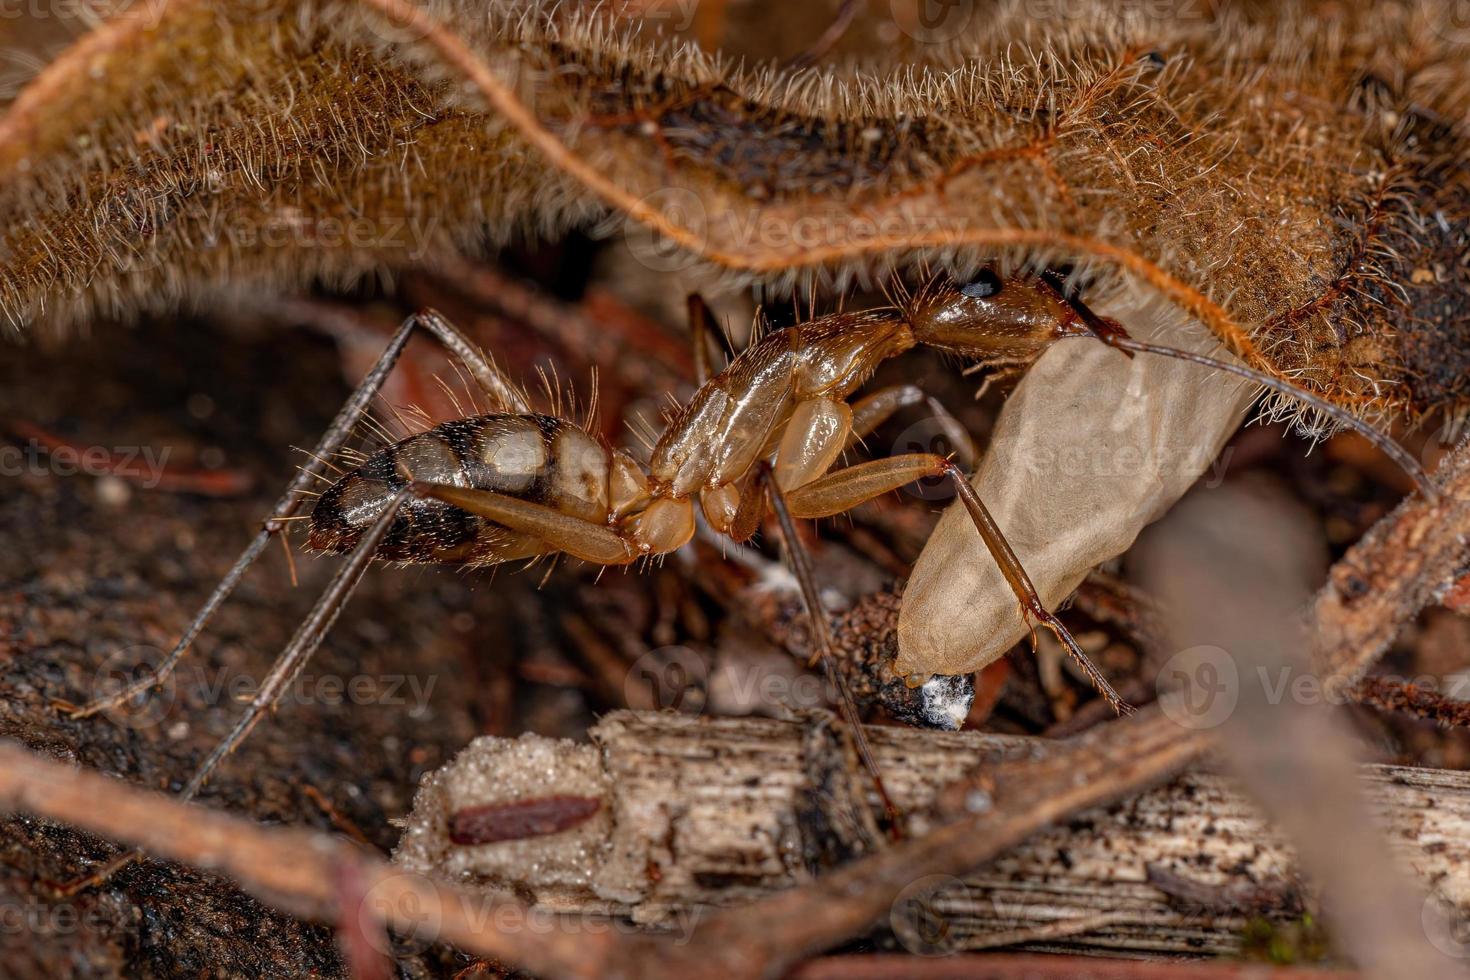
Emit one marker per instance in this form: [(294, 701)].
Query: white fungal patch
[(1089, 449), (947, 701)]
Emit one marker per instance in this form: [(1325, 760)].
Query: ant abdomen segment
[(535, 458)]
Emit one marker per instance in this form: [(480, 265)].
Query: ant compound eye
[(985, 285)]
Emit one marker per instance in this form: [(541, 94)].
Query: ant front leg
[(845, 489), (873, 410), (801, 567), (703, 329)]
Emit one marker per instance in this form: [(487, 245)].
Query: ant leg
[(579, 538), (332, 440), (845, 489), (480, 367), (303, 644), (801, 566), (703, 328), (489, 377), (872, 411)]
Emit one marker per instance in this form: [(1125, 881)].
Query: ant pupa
[(763, 435)]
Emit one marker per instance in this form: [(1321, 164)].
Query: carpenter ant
[(764, 432)]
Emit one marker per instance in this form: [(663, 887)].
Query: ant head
[(991, 318)]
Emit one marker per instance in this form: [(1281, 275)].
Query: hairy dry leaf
[(1297, 181)]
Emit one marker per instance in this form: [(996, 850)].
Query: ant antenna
[(1391, 449), (1114, 336)]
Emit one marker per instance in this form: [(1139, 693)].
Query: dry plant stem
[(300, 871), (1384, 580), (1390, 695), (1023, 966), (296, 870), (517, 114)]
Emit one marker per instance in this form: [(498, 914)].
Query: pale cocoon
[(1089, 449)]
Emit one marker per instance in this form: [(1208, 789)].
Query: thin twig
[(1030, 966), (297, 870), (1397, 569), (1387, 694)]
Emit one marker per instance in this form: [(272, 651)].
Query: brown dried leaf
[(1296, 182)]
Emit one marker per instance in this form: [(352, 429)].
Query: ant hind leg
[(288, 664), (844, 489), (481, 368), (801, 567)]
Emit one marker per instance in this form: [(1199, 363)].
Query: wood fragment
[(1400, 566), (720, 812)]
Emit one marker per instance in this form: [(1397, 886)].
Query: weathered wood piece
[(701, 812)]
